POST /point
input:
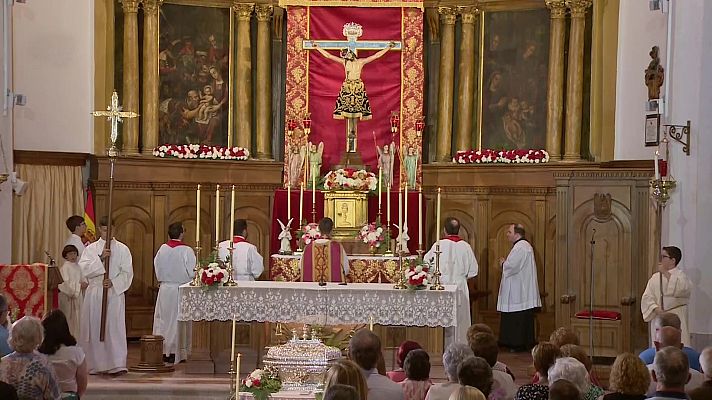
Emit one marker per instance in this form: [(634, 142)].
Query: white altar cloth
[(309, 303)]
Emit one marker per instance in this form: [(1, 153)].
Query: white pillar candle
[(232, 213), (437, 220), (232, 345), (405, 205), (289, 202), (217, 213), (301, 204), (237, 372), (420, 218), (197, 216), (657, 170)]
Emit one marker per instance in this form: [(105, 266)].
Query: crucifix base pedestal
[(351, 160)]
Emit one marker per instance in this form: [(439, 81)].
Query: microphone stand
[(590, 303)]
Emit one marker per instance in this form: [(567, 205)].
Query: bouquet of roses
[(350, 179), (189, 151), (371, 235), (261, 383), (489, 156), (417, 276), (213, 275), (310, 232)]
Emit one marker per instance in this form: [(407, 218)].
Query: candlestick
[(400, 222), (420, 218), (232, 214), (370, 323), (237, 373), (289, 201), (437, 219), (405, 205), (217, 215), (314, 198), (301, 205), (197, 216), (388, 206), (380, 179), (657, 171), (232, 347)]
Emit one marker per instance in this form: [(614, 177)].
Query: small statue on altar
[(411, 165), (285, 237), (295, 163), (315, 156), (402, 240), (385, 162), (654, 75)]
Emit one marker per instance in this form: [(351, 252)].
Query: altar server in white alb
[(675, 291), (71, 291), (77, 227), (518, 293), (174, 264), (247, 263), (457, 265), (108, 356)]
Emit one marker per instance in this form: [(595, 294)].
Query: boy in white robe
[(108, 356), (174, 264), (457, 265), (675, 291), (247, 263), (71, 294), (77, 227)]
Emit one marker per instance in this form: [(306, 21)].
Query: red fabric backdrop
[(24, 286), (382, 79), (279, 211)]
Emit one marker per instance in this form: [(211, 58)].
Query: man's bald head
[(365, 348), (668, 319), (706, 362), (669, 337)]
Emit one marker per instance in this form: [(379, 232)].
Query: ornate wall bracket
[(677, 132)]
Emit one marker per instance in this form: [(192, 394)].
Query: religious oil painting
[(514, 89), (194, 65)]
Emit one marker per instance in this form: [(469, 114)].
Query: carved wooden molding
[(50, 158), (266, 188), (485, 190)]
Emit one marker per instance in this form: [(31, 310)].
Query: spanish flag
[(89, 218)]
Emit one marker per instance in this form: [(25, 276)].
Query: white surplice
[(174, 263), (109, 355), (457, 264), (676, 296), (76, 241), (519, 288), (247, 263), (71, 296)]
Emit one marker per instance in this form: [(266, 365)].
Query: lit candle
[(217, 214), (232, 347), (657, 171), (301, 204), (380, 179), (289, 201), (420, 218), (197, 216), (388, 205), (405, 205), (400, 213), (232, 213), (437, 220), (237, 372)]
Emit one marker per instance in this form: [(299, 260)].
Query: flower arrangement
[(417, 276), (310, 232), (489, 156), (261, 383), (213, 275), (371, 235), (350, 179), (201, 151)]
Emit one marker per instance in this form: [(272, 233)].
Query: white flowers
[(212, 274), (484, 156), (191, 151), (418, 275), (350, 179), (371, 235)]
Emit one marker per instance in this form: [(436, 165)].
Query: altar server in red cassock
[(324, 260), (247, 263)]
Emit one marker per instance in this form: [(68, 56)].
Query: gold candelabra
[(436, 275), (196, 270), (229, 268), (401, 273)]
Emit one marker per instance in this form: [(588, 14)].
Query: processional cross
[(352, 103), (114, 114)]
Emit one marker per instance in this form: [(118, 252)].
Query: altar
[(362, 269)]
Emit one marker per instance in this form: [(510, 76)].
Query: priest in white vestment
[(518, 293), (457, 265), (174, 264), (108, 356), (247, 263), (676, 289), (77, 227), (71, 290)]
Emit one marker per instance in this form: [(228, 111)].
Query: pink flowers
[(190, 151), (371, 235), (488, 156), (350, 179), (310, 232)]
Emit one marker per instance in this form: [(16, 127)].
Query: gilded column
[(574, 80), (263, 86), (130, 87), (149, 110), (242, 111), (446, 83), (555, 89), (466, 81)]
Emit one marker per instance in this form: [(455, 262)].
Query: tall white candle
[(313, 189), (197, 216), (400, 212), (237, 372), (388, 205), (232, 213), (289, 202), (437, 219), (380, 182), (232, 346), (301, 204), (217, 214), (420, 218), (657, 170), (405, 205)]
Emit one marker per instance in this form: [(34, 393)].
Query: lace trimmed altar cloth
[(308, 303)]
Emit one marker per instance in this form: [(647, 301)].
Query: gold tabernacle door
[(348, 209)]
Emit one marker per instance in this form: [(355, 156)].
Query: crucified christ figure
[(352, 103)]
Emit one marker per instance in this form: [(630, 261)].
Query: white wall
[(639, 29), (5, 159), (53, 53)]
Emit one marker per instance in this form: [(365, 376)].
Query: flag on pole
[(89, 218)]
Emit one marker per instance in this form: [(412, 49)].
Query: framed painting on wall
[(514, 54), (652, 130), (194, 66)]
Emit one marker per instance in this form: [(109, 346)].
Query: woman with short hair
[(467, 393), (574, 371), (27, 370), (346, 372), (453, 355), (629, 379), (66, 357), (417, 372), (544, 355)]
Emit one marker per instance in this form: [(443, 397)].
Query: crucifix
[(114, 115), (352, 102)]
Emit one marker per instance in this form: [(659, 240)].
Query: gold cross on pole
[(114, 114)]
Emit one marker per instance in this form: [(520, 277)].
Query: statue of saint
[(654, 75), (411, 165), (385, 163), (295, 163), (315, 155)]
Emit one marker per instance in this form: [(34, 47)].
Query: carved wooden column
[(555, 95), (574, 81), (466, 82), (131, 83), (447, 83), (149, 112), (242, 112), (263, 86)]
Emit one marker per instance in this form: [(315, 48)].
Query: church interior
[(580, 121)]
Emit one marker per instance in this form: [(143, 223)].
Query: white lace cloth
[(308, 303)]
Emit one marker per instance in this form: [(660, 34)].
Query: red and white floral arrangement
[(371, 235), (213, 275), (310, 232), (489, 156), (203, 151), (350, 179), (417, 276)]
